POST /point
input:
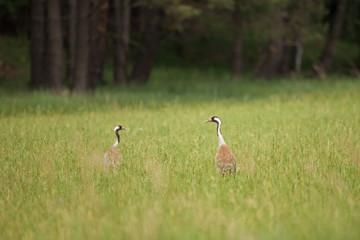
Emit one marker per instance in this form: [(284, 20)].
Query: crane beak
[(208, 120), (124, 129)]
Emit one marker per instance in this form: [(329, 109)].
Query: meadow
[(297, 144)]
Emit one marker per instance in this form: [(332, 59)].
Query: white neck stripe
[(220, 137)]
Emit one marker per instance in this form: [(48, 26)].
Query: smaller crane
[(112, 155)]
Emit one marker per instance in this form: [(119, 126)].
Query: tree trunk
[(38, 77), (291, 57), (270, 59), (299, 53), (98, 26), (82, 48), (324, 63), (55, 46), (237, 67), (147, 51), (358, 56), (122, 26), (72, 40)]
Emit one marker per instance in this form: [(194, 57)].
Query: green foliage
[(352, 22), (11, 8), (296, 142), (220, 4), (177, 13), (14, 17), (15, 60)]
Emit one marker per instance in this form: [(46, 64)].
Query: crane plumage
[(224, 159), (112, 156)]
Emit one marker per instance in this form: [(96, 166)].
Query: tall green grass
[(296, 142)]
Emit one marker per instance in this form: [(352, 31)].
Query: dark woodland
[(71, 41)]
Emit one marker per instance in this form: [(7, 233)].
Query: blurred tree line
[(71, 40)]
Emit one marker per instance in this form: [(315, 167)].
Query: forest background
[(80, 45)]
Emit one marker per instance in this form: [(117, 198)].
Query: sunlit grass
[(297, 146)]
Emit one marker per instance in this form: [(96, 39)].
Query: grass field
[(297, 144)]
